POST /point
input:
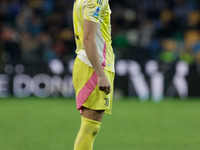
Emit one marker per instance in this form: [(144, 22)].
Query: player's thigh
[(96, 115)]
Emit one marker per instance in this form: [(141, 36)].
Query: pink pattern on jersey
[(89, 87), (104, 55)]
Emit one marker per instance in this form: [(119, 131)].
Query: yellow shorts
[(88, 94)]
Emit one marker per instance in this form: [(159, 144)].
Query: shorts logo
[(97, 11), (107, 101)]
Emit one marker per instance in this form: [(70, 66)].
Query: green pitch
[(52, 124)]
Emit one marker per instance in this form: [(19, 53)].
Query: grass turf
[(52, 124)]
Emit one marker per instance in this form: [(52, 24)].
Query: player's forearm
[(93, 56)]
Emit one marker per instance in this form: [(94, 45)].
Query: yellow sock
[(86, 135)]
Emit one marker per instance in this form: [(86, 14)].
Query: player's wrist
[(101, 74)]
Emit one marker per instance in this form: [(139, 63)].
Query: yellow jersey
[(96, 11)]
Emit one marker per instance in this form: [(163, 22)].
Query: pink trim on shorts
[(89, 87)]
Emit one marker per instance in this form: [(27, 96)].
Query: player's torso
[(102, 13)]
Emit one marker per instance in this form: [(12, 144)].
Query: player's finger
[(101, 88), (107, 92), (108, 89), (104, 88)]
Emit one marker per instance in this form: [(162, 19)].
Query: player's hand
[(103, 84)]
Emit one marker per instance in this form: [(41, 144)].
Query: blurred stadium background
[(157, 48)]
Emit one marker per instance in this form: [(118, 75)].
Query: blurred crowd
[(41, 30), (36, 30), (166, 30)]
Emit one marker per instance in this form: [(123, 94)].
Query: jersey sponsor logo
[(97, 11), (107, 101), (100, 2)]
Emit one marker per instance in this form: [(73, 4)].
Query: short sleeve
[(92, 10)]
